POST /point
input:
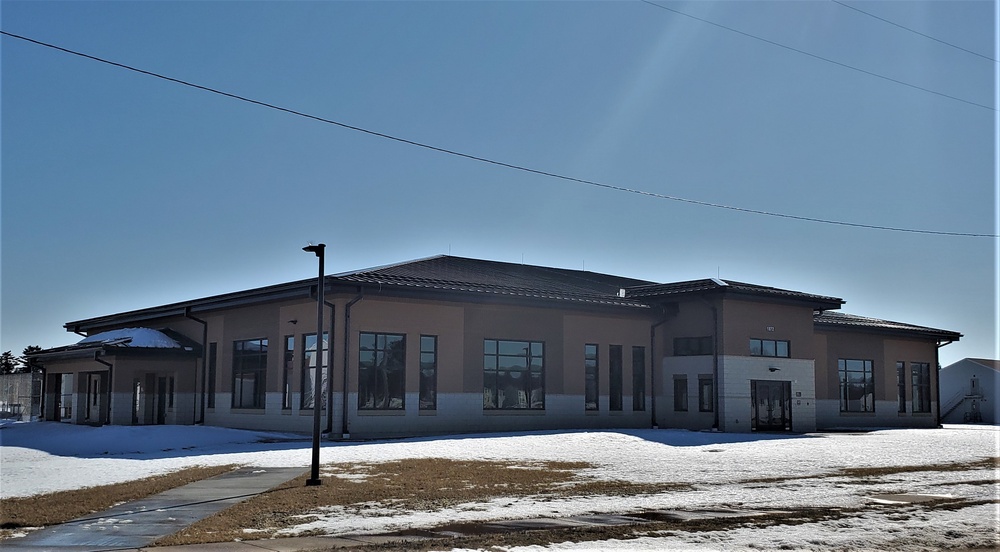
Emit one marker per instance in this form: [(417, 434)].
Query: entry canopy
[(126, 341), (146, 338)]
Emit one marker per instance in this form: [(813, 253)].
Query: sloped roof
[(988, 363), (459, 274), (469, 278), (132, 337), (843, 320), (124, 341), (730, 286)]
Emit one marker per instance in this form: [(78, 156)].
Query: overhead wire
[(893, 23), (821, 58), (488, 160)]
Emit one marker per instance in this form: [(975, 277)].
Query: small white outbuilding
[(970, 391)]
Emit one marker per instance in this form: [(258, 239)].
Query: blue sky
[(123, 191)]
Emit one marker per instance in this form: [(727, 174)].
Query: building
[(970, 390), (451, 345), (20, 396)]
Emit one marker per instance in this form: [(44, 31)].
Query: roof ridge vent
[(719, 282)]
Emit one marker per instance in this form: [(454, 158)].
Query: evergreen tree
[(8, 364), (27, 364)]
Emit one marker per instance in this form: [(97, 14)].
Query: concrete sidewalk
[(134, 525)]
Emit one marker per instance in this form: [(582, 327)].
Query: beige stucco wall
[(884, 351), (745, 320)]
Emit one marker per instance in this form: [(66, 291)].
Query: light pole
[(319, 250)]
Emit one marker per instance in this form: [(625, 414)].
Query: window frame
[(287, 369), (249, 362), (591, 377), (395, 403), (921, 384), (901, 386), (616, 381), (638, 378), (307, 397), (428, 374), (845, 385), (694, 346), (680, 394), (213, 360), (706, 394), (761, 350), (492, 369)]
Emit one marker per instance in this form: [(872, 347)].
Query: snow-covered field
[(43, 457)]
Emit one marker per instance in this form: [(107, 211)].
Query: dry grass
[(403, 485), (862, 474), (429, 485), (891, 470), (55, 508)]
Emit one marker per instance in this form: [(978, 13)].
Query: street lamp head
[(317, 249)]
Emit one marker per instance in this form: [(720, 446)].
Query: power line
[(912, 30), (821, 58), (493, 161)]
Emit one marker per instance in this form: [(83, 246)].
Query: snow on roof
[(133, 337)]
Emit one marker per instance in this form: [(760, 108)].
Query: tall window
[(614, 377), (513, 375), (901, 385), (249, 372), (921, 373), (638, 378), (286, 372), (769, 348), (857, 385), (692, 346), (382, 369), (309, 358), (706, 394), (213, 350), (592, 387), (428, 372), (680, 394)]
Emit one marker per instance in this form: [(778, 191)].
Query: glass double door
[(772, 405)]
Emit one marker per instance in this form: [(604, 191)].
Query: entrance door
[(64, 406), (93, 409), (772, 405)]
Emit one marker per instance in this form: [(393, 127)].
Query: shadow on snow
[(158, 442)]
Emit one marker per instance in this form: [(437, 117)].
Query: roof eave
[(941, 336)]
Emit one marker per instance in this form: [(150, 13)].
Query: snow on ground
[(43, 457)]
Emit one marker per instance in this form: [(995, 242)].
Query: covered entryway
[(772, 405)]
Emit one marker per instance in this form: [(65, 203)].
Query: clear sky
[(123, 191)]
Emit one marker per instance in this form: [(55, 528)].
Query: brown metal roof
[(730, 286), (459, 274), (843, 320)]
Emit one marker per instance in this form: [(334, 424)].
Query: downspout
[(111, 380), (204, 366), (715, 366), (329, 377), (937, 380), (715, 359), (345, 432), (653, 366)]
